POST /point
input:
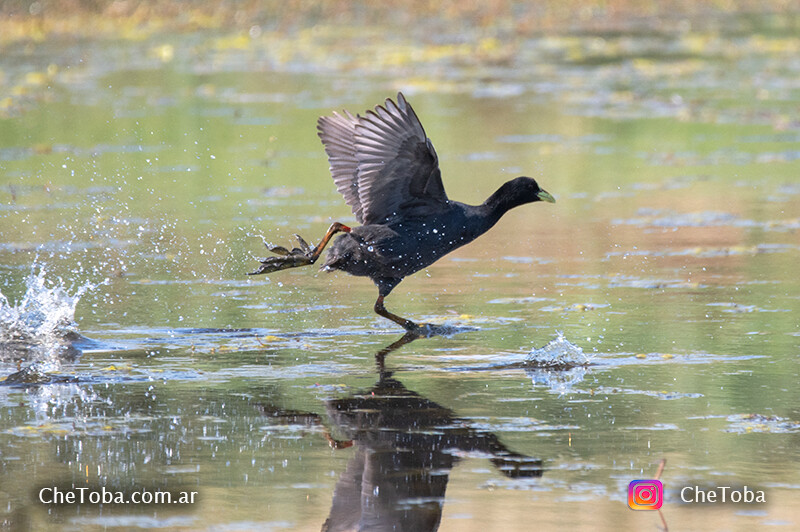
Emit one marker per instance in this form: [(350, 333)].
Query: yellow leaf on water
[(112, 367), (165, 52), (36, 78), (42, 148), (488, 45), (234, 42)]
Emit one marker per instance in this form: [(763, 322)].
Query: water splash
[(41, 326), (559, 353), (559, 365)]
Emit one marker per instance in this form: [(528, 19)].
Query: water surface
[(138, 180)]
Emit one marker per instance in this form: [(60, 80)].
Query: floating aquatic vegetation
[(662, 394), (628, 359), (627, 281), (656, 426), (38, 373), (738, 308), (518, 300), (746, 423), (575, 307)]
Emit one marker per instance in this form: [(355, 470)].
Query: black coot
[(388, 172)]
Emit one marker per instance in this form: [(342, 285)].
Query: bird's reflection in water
[(405, 446)]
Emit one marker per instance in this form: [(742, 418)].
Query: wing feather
[(382, 162), (337, 133)]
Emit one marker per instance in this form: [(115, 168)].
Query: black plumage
[(388, 172)]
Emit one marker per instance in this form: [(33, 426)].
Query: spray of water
[(559, 365), (559, 353), (41, 326)]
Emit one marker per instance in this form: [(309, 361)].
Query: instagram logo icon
[(645, 495)]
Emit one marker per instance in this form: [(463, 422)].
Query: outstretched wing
[(382, 162), (337, 133)]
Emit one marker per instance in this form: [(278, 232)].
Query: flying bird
[(388, 172)]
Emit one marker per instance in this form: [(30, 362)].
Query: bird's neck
[(481, 218), (498, 204)]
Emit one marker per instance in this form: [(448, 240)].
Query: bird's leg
[(301, 256), (380, 356), (408, 325)]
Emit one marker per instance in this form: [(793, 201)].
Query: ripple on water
[(707, 252), (142, 522), (667, 396), (738, 308), (669, 219)]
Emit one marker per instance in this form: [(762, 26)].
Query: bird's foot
[(424, 329), (301, 256), (416, 328), (427, 330)]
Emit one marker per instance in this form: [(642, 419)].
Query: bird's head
[(514, 193), (526, 190)]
